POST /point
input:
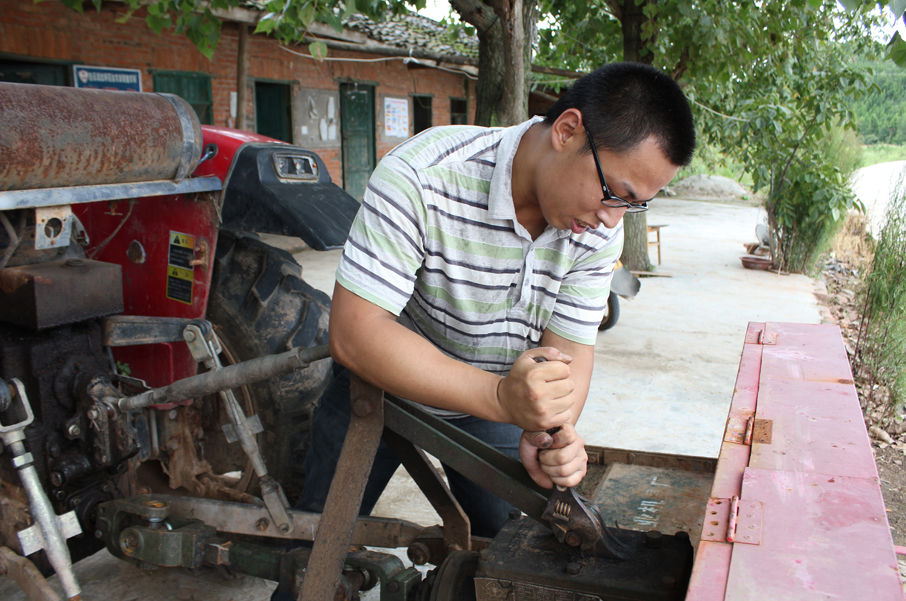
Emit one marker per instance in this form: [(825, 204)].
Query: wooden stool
[(657, 241)]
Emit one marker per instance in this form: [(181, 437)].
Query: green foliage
[(881, 351), (882, 113), (769, 82)]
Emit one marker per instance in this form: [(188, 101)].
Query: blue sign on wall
[(107, 78)]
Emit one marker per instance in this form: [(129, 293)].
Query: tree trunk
[(505, 33), (635, 225)]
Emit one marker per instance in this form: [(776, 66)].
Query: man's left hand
[(561, 461)]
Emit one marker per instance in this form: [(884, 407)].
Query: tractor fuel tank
[(54, 136)]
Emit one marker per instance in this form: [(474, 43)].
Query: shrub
[(881, 349)]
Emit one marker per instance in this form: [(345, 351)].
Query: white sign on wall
[(396, 117)]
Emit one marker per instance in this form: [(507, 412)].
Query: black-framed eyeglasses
[(611, 200)]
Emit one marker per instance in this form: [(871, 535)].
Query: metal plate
[(825, 537), (650, 498)]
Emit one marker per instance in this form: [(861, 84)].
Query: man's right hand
[(537, 396)]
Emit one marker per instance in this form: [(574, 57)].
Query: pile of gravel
[(710, 186)]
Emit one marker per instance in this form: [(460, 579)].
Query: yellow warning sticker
[(180, 271)]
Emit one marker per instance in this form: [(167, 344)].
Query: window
[(459, 111), (46, 74), (194, 88), (421, 113)]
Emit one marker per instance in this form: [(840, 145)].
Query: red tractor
[(129, 256)]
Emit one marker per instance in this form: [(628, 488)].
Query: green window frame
[(194, 88)]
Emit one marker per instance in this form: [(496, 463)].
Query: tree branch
[(475, 13)]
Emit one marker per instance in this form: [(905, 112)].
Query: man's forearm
[(372, 344)]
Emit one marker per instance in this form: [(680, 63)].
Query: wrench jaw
[(574, 524)]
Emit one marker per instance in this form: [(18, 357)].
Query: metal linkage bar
[(229, 377), (484, 465)]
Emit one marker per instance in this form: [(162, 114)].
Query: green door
[(357, 117), (272, 112)]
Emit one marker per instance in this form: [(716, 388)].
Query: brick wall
[(49, 31)]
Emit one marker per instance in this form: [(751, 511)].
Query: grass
[(881, 351), (882, 153)]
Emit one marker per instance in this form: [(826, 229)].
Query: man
[(478, 251)]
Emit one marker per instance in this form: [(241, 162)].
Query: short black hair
[(623, 104)]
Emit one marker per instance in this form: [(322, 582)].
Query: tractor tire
[(612, 314), (260, 306)]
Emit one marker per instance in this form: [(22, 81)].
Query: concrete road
[(874, 186), (663, 377)]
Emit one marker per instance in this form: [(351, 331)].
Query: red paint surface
[(825, 533), (145, 284)]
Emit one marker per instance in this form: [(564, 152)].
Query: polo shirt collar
[(500, 200)]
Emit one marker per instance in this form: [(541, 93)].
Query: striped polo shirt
[(436, 243)]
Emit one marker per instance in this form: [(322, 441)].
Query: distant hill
[(881, 115)]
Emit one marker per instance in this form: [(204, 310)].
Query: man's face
[(571, 199)]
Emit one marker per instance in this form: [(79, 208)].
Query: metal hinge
[(733, 520), (761, 336), (743, 429)]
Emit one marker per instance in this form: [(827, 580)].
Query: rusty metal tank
[(54, 136)]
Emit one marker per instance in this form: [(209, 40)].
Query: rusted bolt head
[(155, 504), (74, 430), (361, 407), (56, 478), (262, 524), (173, 445), (284, 528), (418, 553), (93, 413), (173, 414), (572, 539), (129, 543), (653, 539), (573, 568), (393, 586)]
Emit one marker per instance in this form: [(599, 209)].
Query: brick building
[(350, 109)]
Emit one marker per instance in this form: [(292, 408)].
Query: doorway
[(357, 118)]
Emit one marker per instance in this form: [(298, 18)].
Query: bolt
[(262, 524), (515, 514), (144, 490), (361, 407), (572, 539), (284, 528), (105, 488), (56, 478), (653, 539), (393, 586), (668, 581), (419, 553), (76, 502), (189, 335), (98, 534), (173, 445), (74, 430), (129, 543), (173, 413), (93, 414), (573, 568), (59, 495)]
